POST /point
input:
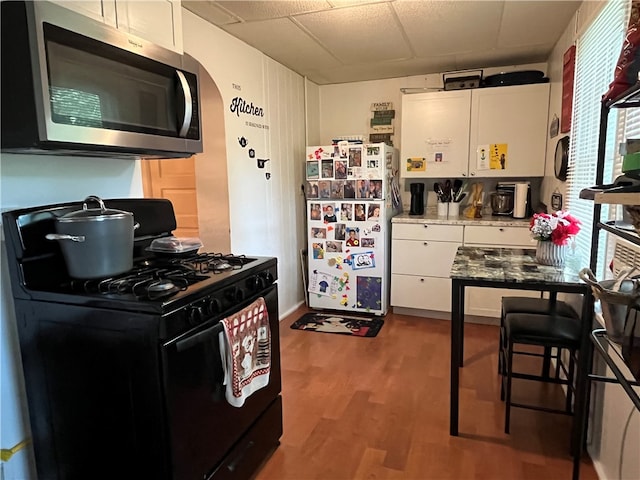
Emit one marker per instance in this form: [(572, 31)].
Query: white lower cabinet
[(421, 258), (422, 292), (486, 302)]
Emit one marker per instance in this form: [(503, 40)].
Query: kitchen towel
[(245, 348)]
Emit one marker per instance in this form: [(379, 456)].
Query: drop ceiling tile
[(262, 10), (209, 11), (358, 34), (285, 42), (548, 28), (438, 28)]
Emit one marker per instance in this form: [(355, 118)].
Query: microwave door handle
[(186, 121)]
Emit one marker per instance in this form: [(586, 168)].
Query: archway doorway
[(197, 186)]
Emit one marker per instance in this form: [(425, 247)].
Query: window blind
[(597, 52)]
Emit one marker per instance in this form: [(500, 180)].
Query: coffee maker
[(417, 199)]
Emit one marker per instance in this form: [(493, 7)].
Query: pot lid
[(95, 214)]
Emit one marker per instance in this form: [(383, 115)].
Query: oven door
[(204, 427)]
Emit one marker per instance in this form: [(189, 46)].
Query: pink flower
[(557, 227)]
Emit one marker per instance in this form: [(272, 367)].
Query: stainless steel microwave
[(74, 86)]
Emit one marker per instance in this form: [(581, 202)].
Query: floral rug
[(341, 324)]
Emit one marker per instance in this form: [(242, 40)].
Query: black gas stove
[(133, 362)]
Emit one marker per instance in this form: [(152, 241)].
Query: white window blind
[(597, 52)]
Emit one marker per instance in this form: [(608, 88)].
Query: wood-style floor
[(378, 408)]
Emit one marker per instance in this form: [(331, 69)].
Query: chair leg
[(507, 411), (546, 363), (503, 371)]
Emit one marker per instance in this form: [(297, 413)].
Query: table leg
[(461, 325), (546, 360), (457, 292), (580, 418)]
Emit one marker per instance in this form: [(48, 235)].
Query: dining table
[(518, 269)]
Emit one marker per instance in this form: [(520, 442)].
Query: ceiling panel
[(337, 41), (346, 31), (284, 41), (262, 10), (438, 28)]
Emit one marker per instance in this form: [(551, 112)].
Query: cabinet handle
[(473, 174), (464, 174), (501, 229), (425, 225), (422, 279), (425, 243)]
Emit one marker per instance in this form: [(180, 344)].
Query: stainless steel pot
[(96, 242)]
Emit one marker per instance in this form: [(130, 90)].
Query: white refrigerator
[(351, 194)]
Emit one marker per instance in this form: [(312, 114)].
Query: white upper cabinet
[(158, 21), (475, 133), (434, 135), (101, 10), (513, 121)]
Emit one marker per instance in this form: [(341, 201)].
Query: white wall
[(265, 214)]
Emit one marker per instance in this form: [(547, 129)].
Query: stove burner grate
[(154, 278), (217, 262), (146, 283)]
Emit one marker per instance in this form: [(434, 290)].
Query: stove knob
[(195, 315), (235, 294), (257, 283), (268, 277), (214, 306)]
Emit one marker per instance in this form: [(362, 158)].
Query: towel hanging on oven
[(245, 348)]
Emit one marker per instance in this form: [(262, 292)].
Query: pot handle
[(95, 199), (136, 226), (59, 236), (587, 276)]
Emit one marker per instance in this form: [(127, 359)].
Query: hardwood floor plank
[(378, 408)]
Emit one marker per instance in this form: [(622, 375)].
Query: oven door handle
[(198, 338)]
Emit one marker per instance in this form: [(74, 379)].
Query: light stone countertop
[(489, 220)]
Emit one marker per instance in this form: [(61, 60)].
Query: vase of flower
[(553, 232), (549, 253)]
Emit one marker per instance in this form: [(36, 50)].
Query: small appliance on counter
[(417, 199), (512, 199), (502, 201)]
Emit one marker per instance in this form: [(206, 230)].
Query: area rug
[(345, 325)]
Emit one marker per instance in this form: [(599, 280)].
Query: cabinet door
[(427, 293), (514, 118), (427, 231), (102, 10), (158, 21), (425, 258), (435, 133), (498, 236)]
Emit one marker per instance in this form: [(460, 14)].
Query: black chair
[(531, 305), (553, 332)]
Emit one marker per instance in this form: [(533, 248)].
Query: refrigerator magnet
[(363, 260)]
